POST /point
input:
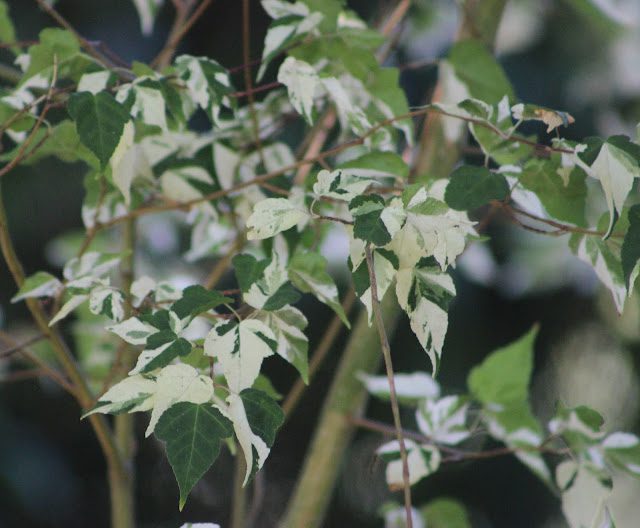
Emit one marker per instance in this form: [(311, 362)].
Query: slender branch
[(328, 339), (87, 45), (181, 26), (20, 346), (257, 89), (395, 408)]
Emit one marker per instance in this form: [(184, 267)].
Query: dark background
[(51, 469)]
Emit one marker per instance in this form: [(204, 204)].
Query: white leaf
[(240, 349), (68, 307), (147, 10), (133, 331), (107, 301), (133, 394), (140, 288), (340, 184), (176, 186), (178, 383), (93, 82), (301, 81), (129, 161), (413, 387), (273, 215)]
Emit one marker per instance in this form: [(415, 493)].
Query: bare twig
[(395, 408), (18, 347)]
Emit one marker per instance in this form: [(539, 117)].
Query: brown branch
[(181, 26), (395, 408), (18, 347), (262, 88)]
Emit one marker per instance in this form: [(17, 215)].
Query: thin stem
[(328, 339), (20, 346), (239, 502), (181, 26), (395, 408)]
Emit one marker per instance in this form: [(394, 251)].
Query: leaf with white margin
[(133, 331), (385, 265), (178, 383), (431, 229), (161, 349), (68, 307), (226, 162), (184, 184), (604, 257), (207, 83), (288, 324), (410, 388), (239, 349), (623, 451), (340, 184), (424, 293), (350, 114), (40, 284), (552, 118), (147, 10), (423, 460), (92, 264), (616, 168), (107, 301), (132, 394), (272, 216), (444, 420), (308, 273), (200, 525), (301, 81), (292, 21), (256, 418), (374, 220), (129, 161)]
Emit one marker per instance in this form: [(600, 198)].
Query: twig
[(248, 83), (395, 409), (20, 346), (262, 88), (181, 26)]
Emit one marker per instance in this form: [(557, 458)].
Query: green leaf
[(478, 70), (192, 434), (376, 164), (503, 377), (196, 299), (374, 222), (7, 31), (630, 252), (472, 187), (40, 284), (288, 324), (562, 201), (53, 42), (100, 121), (308, 273), (248, 270), (446, 513), (256, 419), (239, 348), (501, 384)]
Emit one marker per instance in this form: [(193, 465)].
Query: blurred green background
[(560, 54)]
